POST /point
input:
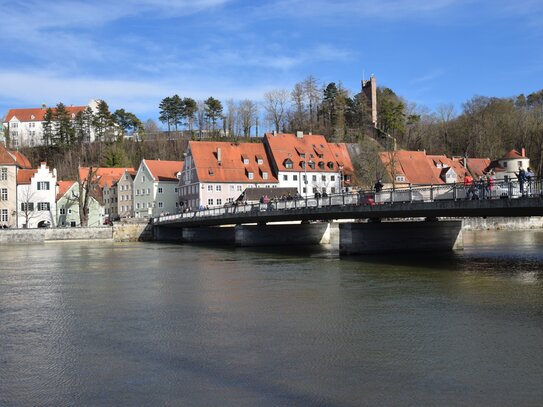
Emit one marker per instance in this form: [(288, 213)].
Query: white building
[(508, 166), (309, 163), (25, 126), (36, 197), (216, 173), (155, 188)]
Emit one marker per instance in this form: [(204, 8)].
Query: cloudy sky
[(133, 53)]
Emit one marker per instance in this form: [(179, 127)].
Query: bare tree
[(248, 112), (276, 106), (201, 117), (313, 95), (231, 118), (27, 210), (87, 188), (298, 115)]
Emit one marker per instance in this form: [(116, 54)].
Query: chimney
[(274, 133), (219, 155), (523, 152), (300, 134)]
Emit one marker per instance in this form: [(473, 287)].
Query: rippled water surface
[(86, 324)]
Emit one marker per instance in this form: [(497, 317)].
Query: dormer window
[(244, 159), (302, 164), (259, 160), (250, 174), (400, 178), (330, 164), (211, 172), (321, 165), (264, 175), (288, 163), (311, 165)]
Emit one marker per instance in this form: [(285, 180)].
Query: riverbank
[(135, 230)]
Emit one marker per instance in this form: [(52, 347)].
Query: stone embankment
[(528, 222)]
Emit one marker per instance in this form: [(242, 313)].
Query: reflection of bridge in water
[(255, 224)]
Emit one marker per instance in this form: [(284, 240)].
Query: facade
[(309, 163), (508, 166), (25, 126), (11, 162), (36, 197), (217, 173), (155, 188), (68, 206), (125, 194)]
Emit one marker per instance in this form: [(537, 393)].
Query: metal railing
[(419, 193)]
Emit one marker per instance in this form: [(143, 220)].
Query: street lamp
[(341, 178)]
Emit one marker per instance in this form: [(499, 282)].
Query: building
[(11, 162), (507, 167), (68, 206), (125, 194), (309, 163), (155, 188), (25, 126), (216, 173), (36, 197)]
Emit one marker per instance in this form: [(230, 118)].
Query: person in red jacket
[(468, 184)]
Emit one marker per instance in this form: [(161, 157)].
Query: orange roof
[(287, 147), (36, 114), (164, 170), (231, 167), (25, 176), (513, 154), (478, 166), (63, 187), (104, 175), (13, 158), (413, 165)]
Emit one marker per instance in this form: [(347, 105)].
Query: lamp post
[(341, 178)]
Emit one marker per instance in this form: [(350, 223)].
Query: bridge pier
[(399, 237), (209, 234), (283, 234), (167, 234)]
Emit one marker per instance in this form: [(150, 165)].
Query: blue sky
[(133, 53)]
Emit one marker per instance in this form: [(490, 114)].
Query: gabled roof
[(513, 154), (24, 177), (104, 175), (413, 165), (230, 168), (13, 158), (63, 187), (36, 114), (285, 146), (478, 166), (164, 170)]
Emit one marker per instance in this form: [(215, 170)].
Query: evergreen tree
[(64, 131), (213, 111), (48, 127), (190, 107), (165, 107), (103, 122)]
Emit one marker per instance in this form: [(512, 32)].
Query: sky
[(133, 53)]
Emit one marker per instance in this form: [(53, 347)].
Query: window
[(324, 177), (143, 178), (285, 177), (4, 194), (210, 187), (210, 201), (32, 125), (250, 175), (138, 205), (27, 206), (230, 200), (73, 224), (305, 178), (260, 161), (176, 190), (288, 163), (304, 190), (43, 186), (332, 177), (264, 175), (219, 201), (321, 165), (160, 190), (239, 188), (14, 125), (245, 161), (333, 190), (295, 177), (314, 178), (400, 178), (148, 191), (232, 188), (63, 211), (137, 191), (4, 215), (4, 174), (217, 187), (43, 206), (161, 204)]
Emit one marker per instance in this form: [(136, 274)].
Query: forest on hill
[(485, 127)]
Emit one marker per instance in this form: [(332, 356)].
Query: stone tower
[(369, 88)]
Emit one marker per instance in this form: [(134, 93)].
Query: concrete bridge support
[(211, 234), (167, 234), (400, 237), (283, 234)]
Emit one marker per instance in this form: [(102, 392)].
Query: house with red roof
[(217, 173), (68, 206), (25, 126), (506, 167), (36, 197), (11, 163), (309, 163), (125, 194), (156, 187)]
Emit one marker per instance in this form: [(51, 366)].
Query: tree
[(165, 107), (231, 118), (213, 111), (298, 119), (313, 97), (104, 125), (87, 187), (83, 125), (26, 200), (127, 122), (248, 114), (48, 129), (190, 107), (276, 106), (64, 131)]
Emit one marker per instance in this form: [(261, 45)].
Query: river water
[(86, 324)]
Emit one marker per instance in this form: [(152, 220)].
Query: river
[(145, 324)]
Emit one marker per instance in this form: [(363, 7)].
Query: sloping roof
[(231, 167), (413, 165), (63, 187), (25, 176), (254, 194), (287, 146), (13, 158), (104, 175), (164, 170), (36, 114), (513, 154), (478, 166)]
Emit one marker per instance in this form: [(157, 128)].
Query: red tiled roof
[(164, 170), (13, 158), (478, 166), (63, 187), (513, 154), (287, 146), (231, 167), (36, 114), (25, 176), (413, 165), (104, 175)]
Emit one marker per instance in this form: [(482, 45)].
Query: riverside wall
[(528, 222)]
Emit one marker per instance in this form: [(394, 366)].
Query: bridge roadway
[(354, 206)]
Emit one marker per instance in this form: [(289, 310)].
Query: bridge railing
[(419, 193)]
